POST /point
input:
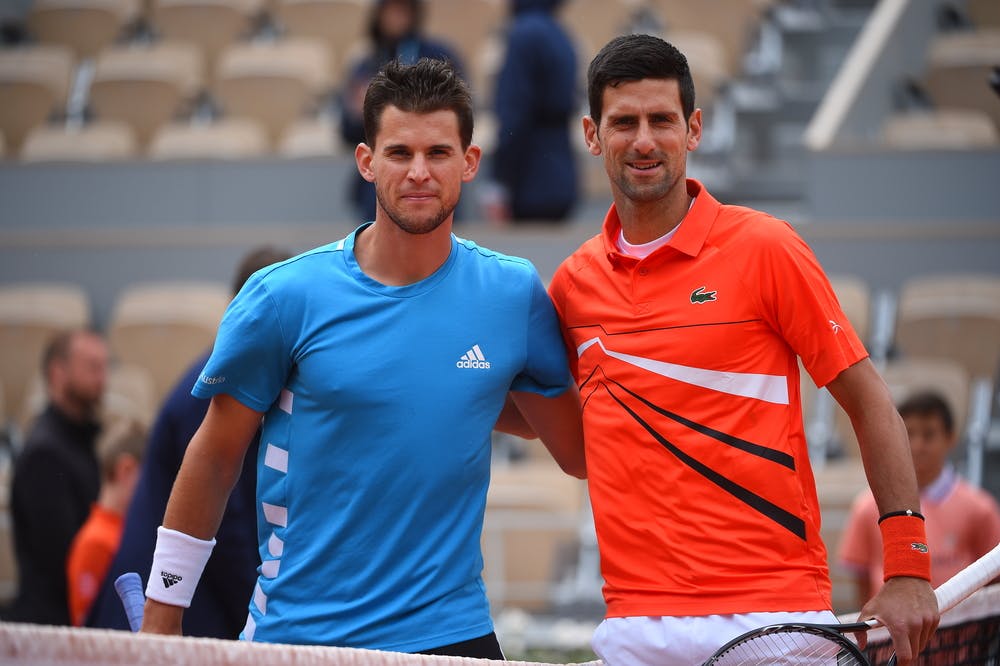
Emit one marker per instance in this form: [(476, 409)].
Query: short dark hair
[(57, 348), (254, 260), (424, 87), (928, 403), (633, 58)]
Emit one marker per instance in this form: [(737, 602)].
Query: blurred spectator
[(56, 476), (535, 100), (963, 522), (394, 31), (219, 607), (119, 452)]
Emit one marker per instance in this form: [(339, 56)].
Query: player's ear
[(473, 154), (590, 135), (694, 130), (363, 156)]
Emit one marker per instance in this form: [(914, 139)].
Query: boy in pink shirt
[(962, 521)]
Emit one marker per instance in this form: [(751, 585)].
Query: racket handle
[(129, 588)]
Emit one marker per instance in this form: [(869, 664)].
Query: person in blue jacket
[(219, 608), (535, 100), (395, 33)]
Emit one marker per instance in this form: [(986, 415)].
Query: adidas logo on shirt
[(170, 579), (473, 359)]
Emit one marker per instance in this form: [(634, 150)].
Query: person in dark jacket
[(56, 475), (219, 607), (395, 32), (535, 100)]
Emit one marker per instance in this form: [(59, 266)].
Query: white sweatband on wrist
[(178, 562)]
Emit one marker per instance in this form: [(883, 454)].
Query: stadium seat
[(340, 24), (983, 13), (959, 66), (211, 25), (837, 484), (164, 326), (909, 375), (274, 83), (708, 60), (34, 84), (533, 510), (93, 142), (592, 23), (732, 22), (145, 86), (942, 129), (226, 139), (464, 25), (310, 137), (952, 316), (84, 26), (30, 314), (130, 394)]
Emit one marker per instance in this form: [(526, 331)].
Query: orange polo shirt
[(89, 559), (704, 501)]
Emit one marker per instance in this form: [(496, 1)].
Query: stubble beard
[(410, 224)]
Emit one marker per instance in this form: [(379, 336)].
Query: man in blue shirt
[(380, 364)]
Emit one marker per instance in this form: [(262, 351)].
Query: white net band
[(39, 645)]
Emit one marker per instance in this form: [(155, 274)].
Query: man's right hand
[(160, 618)]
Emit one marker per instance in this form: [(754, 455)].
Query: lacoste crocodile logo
[(699, 296)]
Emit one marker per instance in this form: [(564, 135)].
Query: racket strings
[(791, 648)]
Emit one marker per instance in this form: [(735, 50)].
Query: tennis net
[(969, 635)]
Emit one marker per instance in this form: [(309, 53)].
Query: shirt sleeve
[(251, 359), (545, 371), (858, 550), (801, 305)]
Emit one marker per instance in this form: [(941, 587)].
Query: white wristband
[(178, 562)]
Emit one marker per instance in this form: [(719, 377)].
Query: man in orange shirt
[(684, 319), (120, 450), (963, 522)]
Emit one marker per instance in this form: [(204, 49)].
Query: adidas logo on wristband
[(170, 579)]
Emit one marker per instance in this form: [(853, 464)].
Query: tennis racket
[(129, 589), (802, 644)]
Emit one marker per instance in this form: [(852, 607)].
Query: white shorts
[(682, 641)]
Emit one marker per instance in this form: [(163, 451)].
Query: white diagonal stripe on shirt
[(769, 388)]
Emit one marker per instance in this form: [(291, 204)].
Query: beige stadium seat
[(959, 65), (592, 23), (943, 129), (907, 376), (464, 25), (165, 326), (952, 316), (533, 511), (211, 25), (984, 13), (707, 59), (274, 83), (130, 395), (84, 26), (732, 22), (145, 86), (310, 137), (854, 296), (94, 142), (837, 484), (30, 315), (340, 24), (226, 139), (34, 84)]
